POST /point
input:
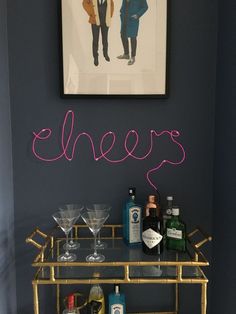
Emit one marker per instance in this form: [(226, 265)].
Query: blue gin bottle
[(132, 220), (117, 301)]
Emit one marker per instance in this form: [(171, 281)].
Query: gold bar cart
[(122, 265)]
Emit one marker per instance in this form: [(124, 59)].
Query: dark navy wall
[(224, 213), (35, 104), (7, 260)]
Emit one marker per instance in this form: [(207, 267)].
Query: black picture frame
[(81, 78)]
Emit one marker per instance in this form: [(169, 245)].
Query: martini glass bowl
[(65, 222), (95, 220)]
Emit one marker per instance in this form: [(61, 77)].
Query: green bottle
[(175, 232)]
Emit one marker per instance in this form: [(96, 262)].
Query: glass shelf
[(120, 258)]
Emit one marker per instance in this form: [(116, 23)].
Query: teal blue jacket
[(130, 25)]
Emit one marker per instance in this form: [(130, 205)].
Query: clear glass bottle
[(175, 232), (152, 234), (96, 294), (152, 203), (168, 211), (132, 220), (116, 301)]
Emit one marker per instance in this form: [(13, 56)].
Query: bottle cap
[(152, 199), (71, 301), (169, 198), (117, 288), (175, 211), (132, 191)]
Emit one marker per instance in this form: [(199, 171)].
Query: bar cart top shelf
[(122, 263)]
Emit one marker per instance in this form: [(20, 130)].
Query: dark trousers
[(104, 31), (125, 42)]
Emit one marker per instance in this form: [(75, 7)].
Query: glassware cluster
[(94, 216)]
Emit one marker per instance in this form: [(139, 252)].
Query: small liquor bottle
[(70, 305), (151, 236), (168, 211), (175, 232), (132, 220), (117, 301), (152, 203), (96, 294)]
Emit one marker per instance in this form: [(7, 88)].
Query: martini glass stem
[(95, 247), (71, 236), (99, 238), (67, 242)]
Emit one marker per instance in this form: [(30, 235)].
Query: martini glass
[(95, 221), (71, 210), (65, 223), (99, 208)]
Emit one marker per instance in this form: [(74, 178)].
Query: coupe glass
[(72, 210), (95, 221), (65, 222), (99, 208)]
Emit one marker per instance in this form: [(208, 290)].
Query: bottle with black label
[(152, 234), (93, 307), (132, 220), (175, 232)]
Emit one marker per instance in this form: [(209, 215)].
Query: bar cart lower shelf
[(122, 265)]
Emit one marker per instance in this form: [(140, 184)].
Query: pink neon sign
[(66, 142)]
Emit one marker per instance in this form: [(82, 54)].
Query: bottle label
[(174, 233), (134, 224), (117, 309), (151, 238)]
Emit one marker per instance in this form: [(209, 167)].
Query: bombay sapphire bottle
[(132, 220), (117, 301)]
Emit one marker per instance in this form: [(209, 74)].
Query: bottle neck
[(152, 212), (169, 204), (174, 217), (71, 302), (132, 198), (117, 289)]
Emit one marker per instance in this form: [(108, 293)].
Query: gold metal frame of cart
[(41, 262)]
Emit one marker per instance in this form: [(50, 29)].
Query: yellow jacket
[(91, 7)]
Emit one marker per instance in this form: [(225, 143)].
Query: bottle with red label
[(70, 305)]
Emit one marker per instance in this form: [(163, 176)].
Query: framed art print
[(114, 47)]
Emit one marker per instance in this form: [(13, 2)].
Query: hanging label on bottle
[(134, 224), (151, 238), (117, 309), (174, 233)]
